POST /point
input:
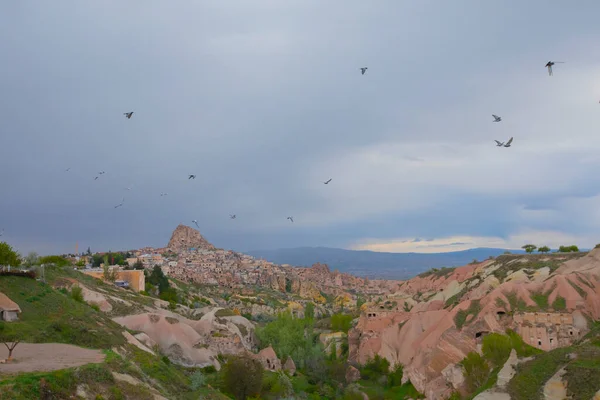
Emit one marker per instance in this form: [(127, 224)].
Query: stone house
[(9, 310)]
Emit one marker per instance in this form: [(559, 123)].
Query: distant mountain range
[(375, 264)]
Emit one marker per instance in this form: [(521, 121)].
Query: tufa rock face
[(352, 374), (185, 238)]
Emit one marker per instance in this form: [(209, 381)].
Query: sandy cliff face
[(433, 321)]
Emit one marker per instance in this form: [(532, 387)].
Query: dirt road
[(30, 357)]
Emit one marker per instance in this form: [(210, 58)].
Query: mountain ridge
[(373, 264)]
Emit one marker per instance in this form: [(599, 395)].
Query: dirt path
[(30, 357)]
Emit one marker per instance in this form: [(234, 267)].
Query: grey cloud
[(251, 98)]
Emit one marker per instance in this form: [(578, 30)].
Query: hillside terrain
[(517, 326), (376, 265), (436, 321)]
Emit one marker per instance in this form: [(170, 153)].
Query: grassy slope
[(50, 316), (583, 370)]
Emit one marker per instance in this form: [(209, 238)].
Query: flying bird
[(163, 194), (2, 232), (121, 203), (327, 181), (496, 118), (192, 177), (232, 216), (67, 170), (101, 172), (291, 219), (509, 142), (363, 70), (549, 65), (196, 222), (499, 144), (128, 114), (96, 178)]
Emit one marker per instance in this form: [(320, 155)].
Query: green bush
[(375, 367), (197, 380), (341, 322), (242, 377), (476, 371), (77, 293), (496, 348)]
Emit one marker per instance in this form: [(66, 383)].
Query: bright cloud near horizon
[(264, 101)]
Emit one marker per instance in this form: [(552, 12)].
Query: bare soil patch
[(40, 357)]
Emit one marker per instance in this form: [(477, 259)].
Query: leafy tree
[(8, 256), (59, 261), (375, 367), (341, 322), (109, 274), (285, 334), (529, 248), (89, 251), (158, 278), (309, 312), (31, 259), (395, 376), (544, 249), (138, 265), (97, 259), (243, 376), (568, 249), (10, 339)]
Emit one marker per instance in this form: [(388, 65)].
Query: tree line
[(530, 248)]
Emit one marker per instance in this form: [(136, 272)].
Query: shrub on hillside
[(476, 371), (375, 367), (77, 293), (496, 348), (197, 380), (242, 377), (341, 322)]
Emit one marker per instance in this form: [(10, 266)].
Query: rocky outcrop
[(352, 374), (178, 341), (185, 238), (289, 366), (433, 321), (269, 359), (556, 388), (508, 370), (331, 340)]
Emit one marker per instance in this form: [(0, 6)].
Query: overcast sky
[(263, 100)]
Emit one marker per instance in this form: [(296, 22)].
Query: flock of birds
[(363, 70)]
